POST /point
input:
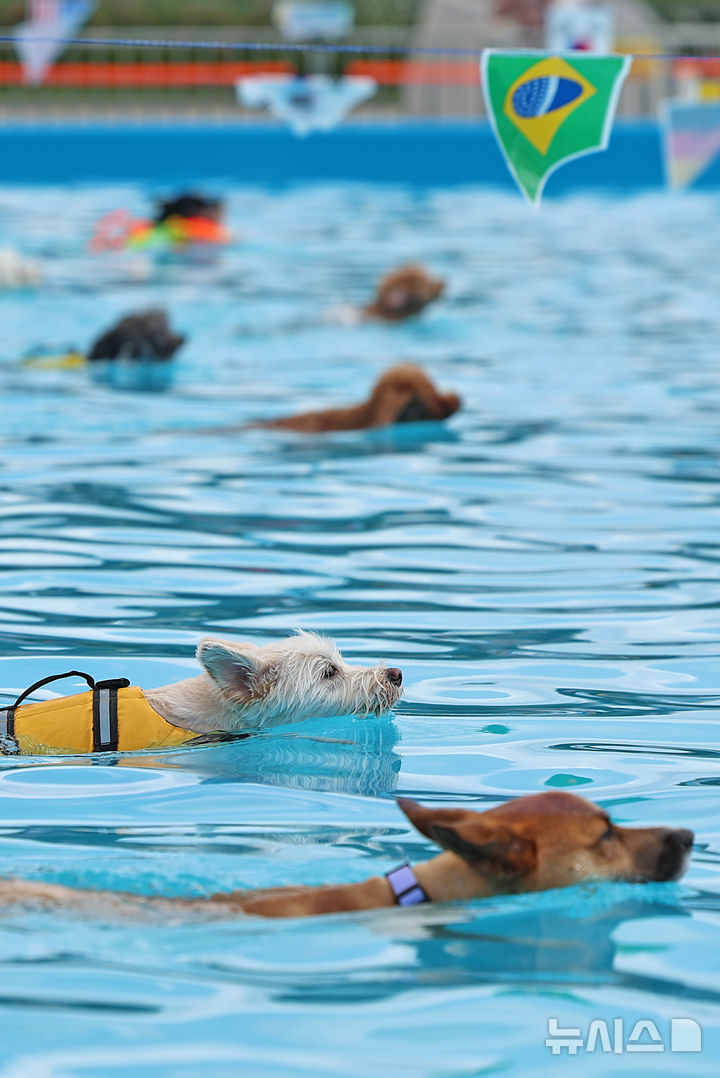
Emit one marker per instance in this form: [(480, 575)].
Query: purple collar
[(405, 886)]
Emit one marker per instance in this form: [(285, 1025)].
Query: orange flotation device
[(119, 231)]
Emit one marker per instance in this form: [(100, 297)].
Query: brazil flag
[(546, 110)]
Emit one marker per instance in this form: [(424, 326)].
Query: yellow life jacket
[(112, 717)]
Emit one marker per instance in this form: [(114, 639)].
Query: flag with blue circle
[(546, 110)]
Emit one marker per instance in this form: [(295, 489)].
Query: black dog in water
[(144, 335)]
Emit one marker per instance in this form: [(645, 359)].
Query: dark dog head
[(551, 840), (145, 335), (190, 204)]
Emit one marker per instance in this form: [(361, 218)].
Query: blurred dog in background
[(143, 335), (17, 271), (403, 294)]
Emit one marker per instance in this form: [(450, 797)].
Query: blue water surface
[(544, 568)]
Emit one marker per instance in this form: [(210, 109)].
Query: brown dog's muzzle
[(660, 853), (675, 850)]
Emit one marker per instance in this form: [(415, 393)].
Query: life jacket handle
[(110, 683)]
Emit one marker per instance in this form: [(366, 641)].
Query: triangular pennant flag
[(39, 41), (691, 140), (546, 110), (313, 103)]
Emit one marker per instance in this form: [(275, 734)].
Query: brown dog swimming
[(403, 293), (403, 394), (534, 843)]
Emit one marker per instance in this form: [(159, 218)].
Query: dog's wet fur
[(403, 394), (536, 843), (143, 335), (246, 687), (403, 294)]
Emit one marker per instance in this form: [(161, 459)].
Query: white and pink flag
[(691, 140), (306, 104), (41, 38)]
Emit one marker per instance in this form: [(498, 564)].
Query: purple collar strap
[(406, 886)]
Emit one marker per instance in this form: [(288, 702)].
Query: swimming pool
[(543, 568)]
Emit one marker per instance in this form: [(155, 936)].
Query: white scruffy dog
[(245, 686)]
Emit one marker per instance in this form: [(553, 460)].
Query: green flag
[(546, 110)]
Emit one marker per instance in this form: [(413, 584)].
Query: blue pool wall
[(429, 152)]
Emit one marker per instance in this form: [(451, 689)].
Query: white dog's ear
[(234, 671)]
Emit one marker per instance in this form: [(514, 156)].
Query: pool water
[(544, 568)]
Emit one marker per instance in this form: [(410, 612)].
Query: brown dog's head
[(404, 293), (550, 840), (405, 394)]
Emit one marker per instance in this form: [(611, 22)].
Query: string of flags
[(545, 108)]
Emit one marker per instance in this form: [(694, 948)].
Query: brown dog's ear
[(389, 405), (497, 851), (424, 818), (235, 672), (494, 849)]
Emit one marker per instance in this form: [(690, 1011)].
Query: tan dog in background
[(403, 293), (403, 394), (535, 843)]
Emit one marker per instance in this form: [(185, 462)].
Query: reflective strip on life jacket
[(105, 720)]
